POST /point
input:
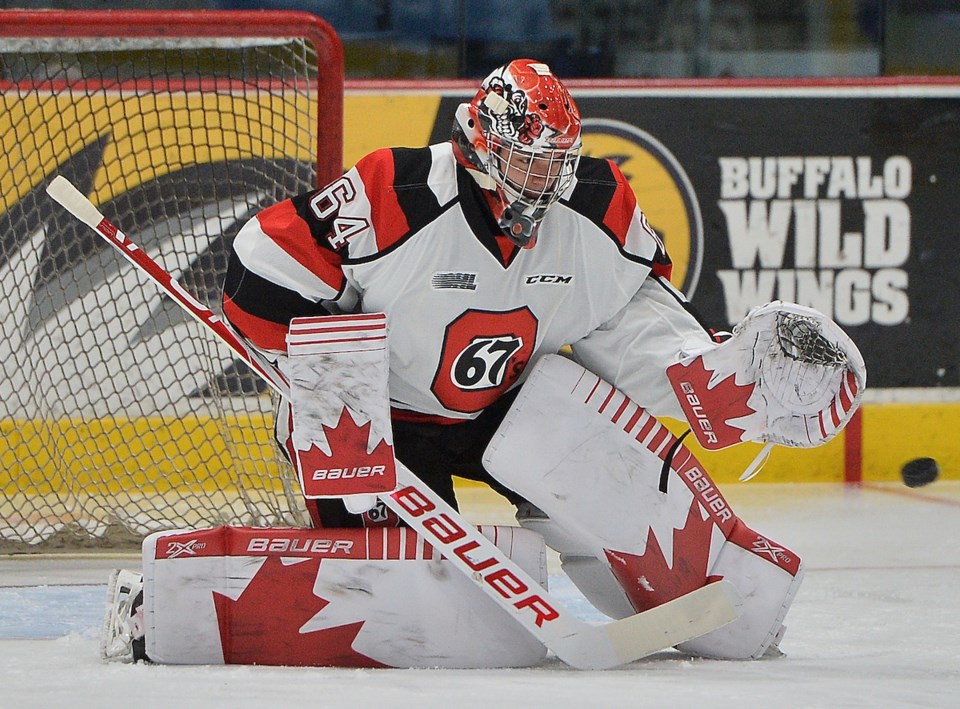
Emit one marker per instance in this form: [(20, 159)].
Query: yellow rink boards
[(155, 455)]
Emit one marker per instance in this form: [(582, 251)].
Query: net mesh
[(120, 415)]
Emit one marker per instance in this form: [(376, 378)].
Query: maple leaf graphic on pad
[(349, 469), (711, 410), (650, 579), (263, 626)]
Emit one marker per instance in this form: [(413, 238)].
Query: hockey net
[(119, 415)]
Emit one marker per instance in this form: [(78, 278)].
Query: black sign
[(846, 200)]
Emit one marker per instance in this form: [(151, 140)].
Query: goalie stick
[(575, 642)]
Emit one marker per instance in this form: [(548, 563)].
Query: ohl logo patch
[(663, 191)]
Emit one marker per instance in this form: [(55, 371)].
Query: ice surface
[(876, 624)]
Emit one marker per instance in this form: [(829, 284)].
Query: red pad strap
[(382, 543)]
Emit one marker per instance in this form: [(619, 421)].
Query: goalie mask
[(520, 139)]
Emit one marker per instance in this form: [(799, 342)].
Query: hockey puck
[(919, 472)]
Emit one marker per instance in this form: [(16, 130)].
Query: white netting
[(119, 415)]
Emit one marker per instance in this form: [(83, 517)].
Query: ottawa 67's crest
[(484, 353)]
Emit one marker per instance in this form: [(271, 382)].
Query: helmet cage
[(534, 177)]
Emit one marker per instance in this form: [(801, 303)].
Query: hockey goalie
[(416, 307)]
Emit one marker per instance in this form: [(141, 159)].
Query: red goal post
[(118, 415)]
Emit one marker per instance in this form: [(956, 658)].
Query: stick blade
[(685, 618), (62, 191)]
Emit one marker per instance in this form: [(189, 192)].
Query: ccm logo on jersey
[(548, 278), (697, 409), (361, 471), (303, 545)]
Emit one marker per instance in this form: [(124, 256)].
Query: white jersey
[(407, 232)]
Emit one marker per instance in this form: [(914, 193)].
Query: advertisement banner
[(838, 198)]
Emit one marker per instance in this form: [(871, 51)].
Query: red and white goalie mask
[(520, 139)]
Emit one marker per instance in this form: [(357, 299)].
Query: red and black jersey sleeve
[(261, 310), (604, 196), (397, 199), (288, 261), (281, 266)]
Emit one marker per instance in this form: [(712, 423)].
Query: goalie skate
[(122, 636)]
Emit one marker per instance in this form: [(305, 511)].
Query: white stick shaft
[(577, 643)]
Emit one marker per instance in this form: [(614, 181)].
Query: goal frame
[(72, 479)]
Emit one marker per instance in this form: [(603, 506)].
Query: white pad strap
[(338, 371)]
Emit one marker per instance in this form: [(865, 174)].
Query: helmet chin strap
[(520, 228)]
